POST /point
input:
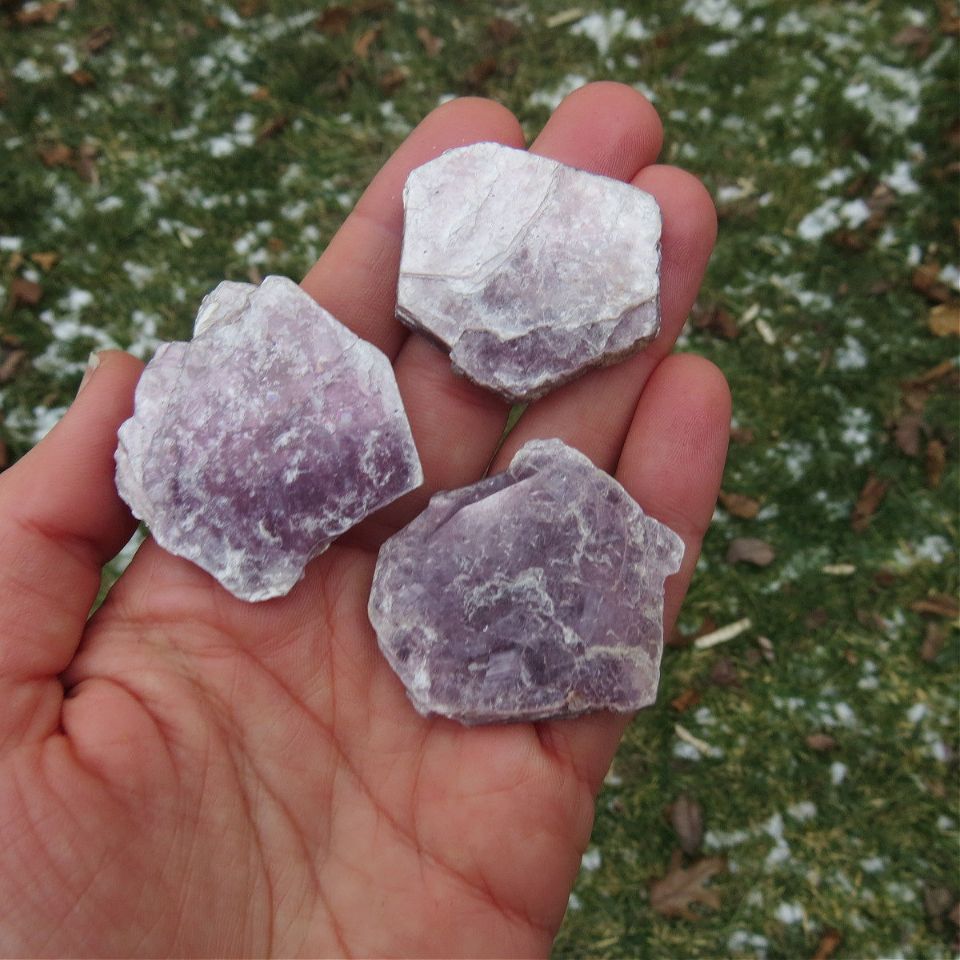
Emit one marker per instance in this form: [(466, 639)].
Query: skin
[(186, 774)]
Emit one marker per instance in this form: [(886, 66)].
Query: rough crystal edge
[(213, 313), (530, 450), (535, 393)]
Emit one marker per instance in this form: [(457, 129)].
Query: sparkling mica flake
[(528, 271), (535, 593), (270, 433)]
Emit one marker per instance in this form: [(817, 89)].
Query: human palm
[(188, 774)]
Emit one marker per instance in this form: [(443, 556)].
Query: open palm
[(188, 774)]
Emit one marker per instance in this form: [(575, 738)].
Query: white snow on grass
[(551, 97), (715, 13), (889, 95), (604, 28), (591, 859), (850, 355)]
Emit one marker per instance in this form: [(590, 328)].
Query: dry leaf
[(10, 364), (45, 261), (260, 94), (44, 13), (686, 818), (941, 370), (675, 894), (56, 155), (740, 505), (915, 398), (949, 18), (828, 944), (689, 698), (954, 915), (725, 674), (821, 742), (480, 72), (99, 37), (907, 433), (944, 319), (936, 901), (25, 291), (938, 604), (934, 638), (871, 496), (503, 31), (83, 78), (935, 462), (361, 46), (716, 320), (86, 164), (394, 79), (751, 550), (272, 128), (926, 280), (916, 37), (743, 436), (816, 618), (334, 21), (431, 44)]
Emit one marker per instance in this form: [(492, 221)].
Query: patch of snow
[(900, 178), (917, 712), (820, 221), (719, 48), (792, 25), (804, 810), (552, 97), (790, 913), (604, 28), (591, 859), (715, 13), (851, 355)]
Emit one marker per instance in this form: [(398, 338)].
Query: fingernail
[(93, 361)]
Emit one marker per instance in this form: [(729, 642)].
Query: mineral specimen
[(535, 593), (270, 433), (528, 271)]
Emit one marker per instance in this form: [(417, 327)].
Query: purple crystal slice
[(269, 434), (528, 271), (535, 593)]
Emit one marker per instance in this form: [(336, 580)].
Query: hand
[(187, 774)]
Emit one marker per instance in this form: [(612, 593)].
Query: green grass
[(781, 108)]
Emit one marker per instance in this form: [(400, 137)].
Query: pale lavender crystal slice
[(528, 271), (270, 433), (535, 593)]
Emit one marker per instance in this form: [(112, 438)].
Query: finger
[(671, 464), (594, 412), (607, 128), (356, 278), (61, 519)]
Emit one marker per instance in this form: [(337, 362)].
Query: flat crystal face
[(270, 433), (527, 271), (535, 593)]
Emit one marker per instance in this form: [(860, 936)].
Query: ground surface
[(151, 154)]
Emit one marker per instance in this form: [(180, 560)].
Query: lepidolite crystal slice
[(535, 593), (528, 271), (270, 433)]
